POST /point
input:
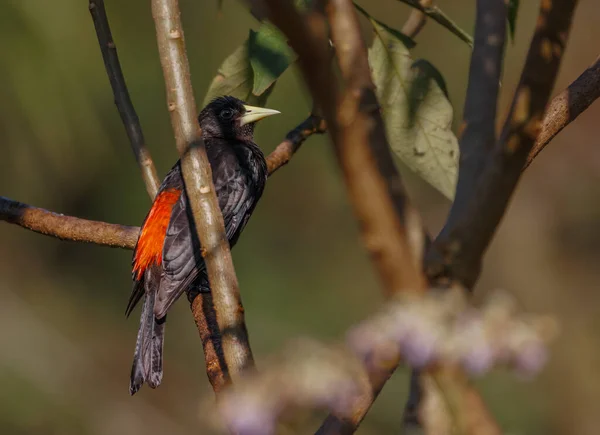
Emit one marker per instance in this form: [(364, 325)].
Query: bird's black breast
[(239, 174)]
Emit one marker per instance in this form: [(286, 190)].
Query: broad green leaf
[(427, 146), (235, 77), (270, 55), (513, 9)]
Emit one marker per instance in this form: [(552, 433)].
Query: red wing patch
[(152, 238)]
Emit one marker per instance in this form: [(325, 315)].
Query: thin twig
[(457, 253), (416, 20), (281, 155), (122, 99), (200, 190), (567, 106), (67, 227), (437, 15)]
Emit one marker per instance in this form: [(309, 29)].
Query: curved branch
[(123, 102), (200, 189), (67, 227), (567, 106)]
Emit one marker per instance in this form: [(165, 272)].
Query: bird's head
[(230, 118)]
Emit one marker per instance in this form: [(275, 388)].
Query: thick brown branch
[(374, 185), (200, 190), (281, 155), (391, 229), (67, 227), (567, 106), (122, 99), (458, 251)]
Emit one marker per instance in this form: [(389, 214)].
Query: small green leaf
[(427, 145), (513, 9), (270, 55), (235, 78)]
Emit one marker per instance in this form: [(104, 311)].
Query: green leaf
[(235, 78), (427, 145), (513, 9), (270, 55)]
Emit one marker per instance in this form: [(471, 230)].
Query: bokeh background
[(65, 345)]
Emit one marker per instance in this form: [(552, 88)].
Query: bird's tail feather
[(148, 356)]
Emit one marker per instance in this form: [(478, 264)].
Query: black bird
[(166, 259)]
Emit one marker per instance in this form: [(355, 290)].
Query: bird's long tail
[(147, 359)]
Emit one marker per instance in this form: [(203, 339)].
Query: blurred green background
[(65, 345)]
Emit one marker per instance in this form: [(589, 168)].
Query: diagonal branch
[(67, 227), (122, 100), (314, 124), (458, 251), (374, 185), (567, 106), (437, 15), (200, 190)]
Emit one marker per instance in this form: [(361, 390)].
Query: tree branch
[(391, 228), (122, 100), (281, 155), (200, 190), (374, 185), (437, 15), (67, 227), (479, 123), (567, 106), (457, 253), (416, 20)]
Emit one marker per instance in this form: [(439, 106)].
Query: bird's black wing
[(236, 194), (182, 259)]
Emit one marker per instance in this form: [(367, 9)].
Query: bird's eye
[(226, 114)]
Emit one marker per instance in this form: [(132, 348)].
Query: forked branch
[(457, 253)]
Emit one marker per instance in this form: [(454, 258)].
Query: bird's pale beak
[(254, 114)]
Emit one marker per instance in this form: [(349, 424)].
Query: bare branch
[(458, 251), (479, 123), (122, 100), (374, 184), (567, 106), (67, 227), (392, 229), (416, 20), (281, 155), (200, 189)]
